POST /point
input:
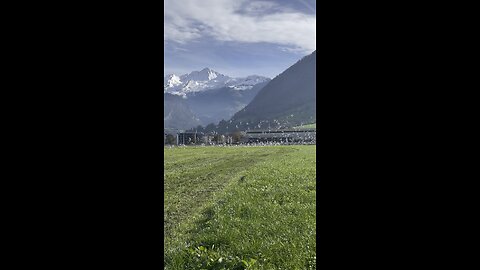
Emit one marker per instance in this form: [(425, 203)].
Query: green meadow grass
[(240, 207)]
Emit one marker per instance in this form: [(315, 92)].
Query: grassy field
[(240, 207)]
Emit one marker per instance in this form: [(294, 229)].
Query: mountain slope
[(177, 114), (217, 104), (289, 99)]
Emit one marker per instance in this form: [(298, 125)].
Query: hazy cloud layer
[(239, 21)]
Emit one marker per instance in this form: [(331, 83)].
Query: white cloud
[(240, 21), (261, 7)]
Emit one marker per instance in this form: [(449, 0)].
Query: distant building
[(185, 138), (282, 136), (251, 136), (172, 132)]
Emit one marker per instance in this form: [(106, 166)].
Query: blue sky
[(237, 37)]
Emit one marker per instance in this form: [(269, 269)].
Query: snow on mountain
[(205, 74), (207, 79), (245, 83), (172, 81)]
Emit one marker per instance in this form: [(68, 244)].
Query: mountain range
[(207, 79), (206, 96)]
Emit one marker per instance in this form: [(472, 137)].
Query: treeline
[(233, 137), (229, 127)]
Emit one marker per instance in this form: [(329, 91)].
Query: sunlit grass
[(240, 207)]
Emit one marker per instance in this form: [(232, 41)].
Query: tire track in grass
[(267, 220), (188, 189)]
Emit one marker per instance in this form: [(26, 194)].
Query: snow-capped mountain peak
[(203, 75), (211, 74), (207, 79), (171, 80)]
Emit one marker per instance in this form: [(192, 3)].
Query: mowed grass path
[(240, 207)]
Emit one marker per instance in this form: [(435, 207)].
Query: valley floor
[(240, 207)]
